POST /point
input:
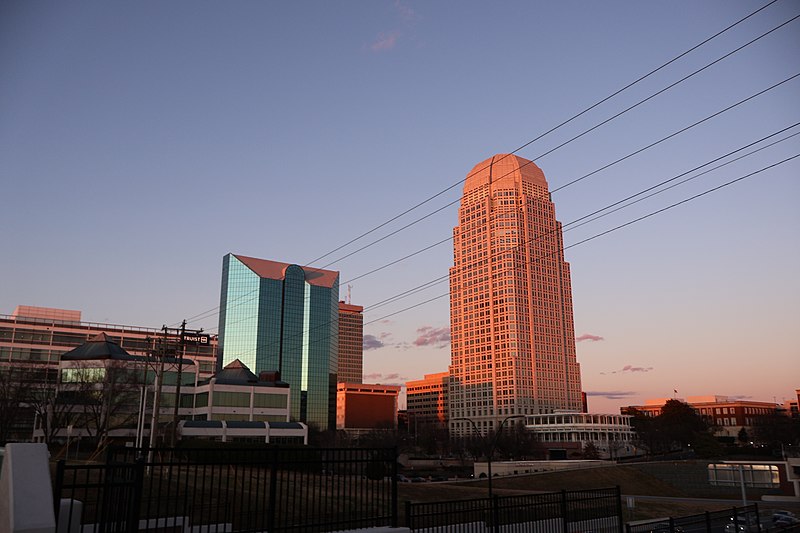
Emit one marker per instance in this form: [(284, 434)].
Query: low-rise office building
[(366, 407), (566, 434), (427, 400), (728, 416)]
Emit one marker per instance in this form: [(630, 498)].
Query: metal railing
[(210, 490), (597, 510), (736, 519)]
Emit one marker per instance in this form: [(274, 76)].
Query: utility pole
[(195, 336), (180, 353), (160, 352)]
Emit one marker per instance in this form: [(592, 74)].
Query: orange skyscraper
[(513, 340)]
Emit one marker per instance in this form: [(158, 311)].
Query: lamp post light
[(489, 446)]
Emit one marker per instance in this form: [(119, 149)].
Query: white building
[(568, 433)]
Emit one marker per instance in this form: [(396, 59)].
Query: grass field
[(630, 480)]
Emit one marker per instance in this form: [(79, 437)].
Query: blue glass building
[(279, 316)]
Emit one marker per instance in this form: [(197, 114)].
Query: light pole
[(489, 446)]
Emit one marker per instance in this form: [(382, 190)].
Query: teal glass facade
[(278, 316)]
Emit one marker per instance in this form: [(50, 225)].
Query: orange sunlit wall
[(426, 399), (366, 406), (513, 340)]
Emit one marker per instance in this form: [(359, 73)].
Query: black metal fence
[(599, 511), (222, 490), (736, 519)]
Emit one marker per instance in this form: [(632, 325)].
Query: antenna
[(348, 293)]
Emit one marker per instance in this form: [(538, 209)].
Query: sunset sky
[(142, 141)]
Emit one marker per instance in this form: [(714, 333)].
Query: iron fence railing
[(213, 490), (599, 511), (734, 520)]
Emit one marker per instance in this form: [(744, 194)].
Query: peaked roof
[(96, 348), (277, 270), (237, 373)]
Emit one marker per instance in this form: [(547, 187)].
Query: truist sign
[(196, 338)]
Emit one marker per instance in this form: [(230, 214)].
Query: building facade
[(362, 406), (565, 434), (33, 339), (351, 343), (426, 400), (284, 317), (727, 416), (513, 340)]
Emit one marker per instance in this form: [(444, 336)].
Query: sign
[(196, 338)]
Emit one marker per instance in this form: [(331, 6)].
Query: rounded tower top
[(504, 170)]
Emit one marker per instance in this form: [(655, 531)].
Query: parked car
[(402, 479), (743, 524)]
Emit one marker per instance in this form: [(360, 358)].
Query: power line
[(578, 136), (554, 128), (567, 226), (608, 208), (213, 310), (616, 228), (603, 233), (604, 167)]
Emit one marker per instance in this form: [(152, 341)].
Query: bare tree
[(15, 393), (101, 398)]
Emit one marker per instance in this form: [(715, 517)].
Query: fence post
[(394, 486), (565, 527), (708, 522), (57, 488), (273, 491), (758, 518), (136, 496), (409, 517), (671, 525), (620, 519), (493, 516)]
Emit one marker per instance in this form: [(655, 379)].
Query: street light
[(489, 449)]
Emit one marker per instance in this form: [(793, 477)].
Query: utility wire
[(576, 137), (607, 210), (655, 143), (616, 228), (213, 310), (563, 248), (554, 128)]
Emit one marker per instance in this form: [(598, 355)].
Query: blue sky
[(142, 141)]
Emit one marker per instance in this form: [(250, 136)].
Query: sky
[(142, 141)]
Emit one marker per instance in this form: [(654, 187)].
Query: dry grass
[(629, 479)]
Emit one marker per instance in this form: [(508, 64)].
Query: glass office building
[(279, 316)]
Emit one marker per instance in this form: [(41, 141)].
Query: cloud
[(430, 336), (377, 377), (405, 12), (612, 395), (631, 368), (385, 41), (589, 337), (371, 342)]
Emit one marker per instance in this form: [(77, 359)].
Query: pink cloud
[(589, 337), (429, 336), (386, 41), (631, 368), (611, 395), (377, 377), (371, 342)]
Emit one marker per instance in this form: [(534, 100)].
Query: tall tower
[(351, 343), (279, 316), (513, 339)]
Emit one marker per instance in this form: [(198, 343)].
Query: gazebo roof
[(99, 347)]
